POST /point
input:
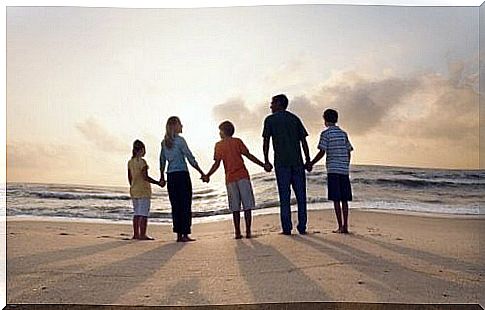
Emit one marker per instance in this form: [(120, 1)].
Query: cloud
[(244, 119), (416, 110), (63, 163), (94, 132), (363, 102), (31, 155)]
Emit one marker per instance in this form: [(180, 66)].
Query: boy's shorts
[(339, 188), (141, 206), (239, 192)]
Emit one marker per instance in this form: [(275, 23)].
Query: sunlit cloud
[(95, 133), (45, 162)]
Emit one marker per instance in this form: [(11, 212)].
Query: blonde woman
[(175, 151)]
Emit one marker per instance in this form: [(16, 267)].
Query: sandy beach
[(386, 258)]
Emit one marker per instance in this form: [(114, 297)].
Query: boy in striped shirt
[(335, 143)]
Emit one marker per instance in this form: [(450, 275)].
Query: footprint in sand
[(64, 234)]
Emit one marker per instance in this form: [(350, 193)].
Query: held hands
[(309, 166), (268, 167), (162, 183), (205, 178)]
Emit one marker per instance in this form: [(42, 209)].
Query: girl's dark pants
[(180, 194)]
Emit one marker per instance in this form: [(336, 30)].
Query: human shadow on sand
[(186, 292), (18, 265), (271, 277), (107, 283), (391, 281), (435, 259)]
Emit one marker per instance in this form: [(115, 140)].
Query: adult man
[(289, 136)]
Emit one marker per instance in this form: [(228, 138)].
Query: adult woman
[(175, 151)]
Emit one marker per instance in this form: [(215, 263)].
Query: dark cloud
[(364, 103), (244, 119), (422, 109), (425, 105)]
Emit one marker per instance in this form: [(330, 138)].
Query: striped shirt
[(335, 142)]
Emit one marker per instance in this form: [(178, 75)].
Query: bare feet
[(342, 230), (146, 238), (248, 236), (135, 237), (238, 236), (187, 239)]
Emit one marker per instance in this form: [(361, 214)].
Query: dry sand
[(386, 258)]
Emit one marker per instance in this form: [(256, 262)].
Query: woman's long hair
[(170, 132), (137, 147)]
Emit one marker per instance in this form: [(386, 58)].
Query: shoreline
[(228, 217)]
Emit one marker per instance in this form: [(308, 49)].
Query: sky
[(84, 83)]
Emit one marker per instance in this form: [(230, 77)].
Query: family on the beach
[(288, 137)]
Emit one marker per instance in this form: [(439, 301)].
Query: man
[(289, 136)]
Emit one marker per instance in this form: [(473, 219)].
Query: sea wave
[(74, 196), (417, 183)]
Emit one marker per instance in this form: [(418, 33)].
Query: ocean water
[(388, 189)]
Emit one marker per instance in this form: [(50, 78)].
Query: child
[(175, 151), (238, 185), (336, 143), (140, 190)]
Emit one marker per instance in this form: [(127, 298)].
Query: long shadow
[(271, 277), (21, 264), (105, 284), (436, 259), (398, 278), (186, 292)]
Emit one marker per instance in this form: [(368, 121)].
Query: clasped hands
[(205, 178), (268, 166), (309, 166)]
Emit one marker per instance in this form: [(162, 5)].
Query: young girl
[(175, 151), (140, 190)]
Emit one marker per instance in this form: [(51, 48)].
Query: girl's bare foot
[(238, 236), (337, 231), (248, 236), (135, 238), (146, 238)]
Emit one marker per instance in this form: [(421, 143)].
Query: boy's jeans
[(294, 176)]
